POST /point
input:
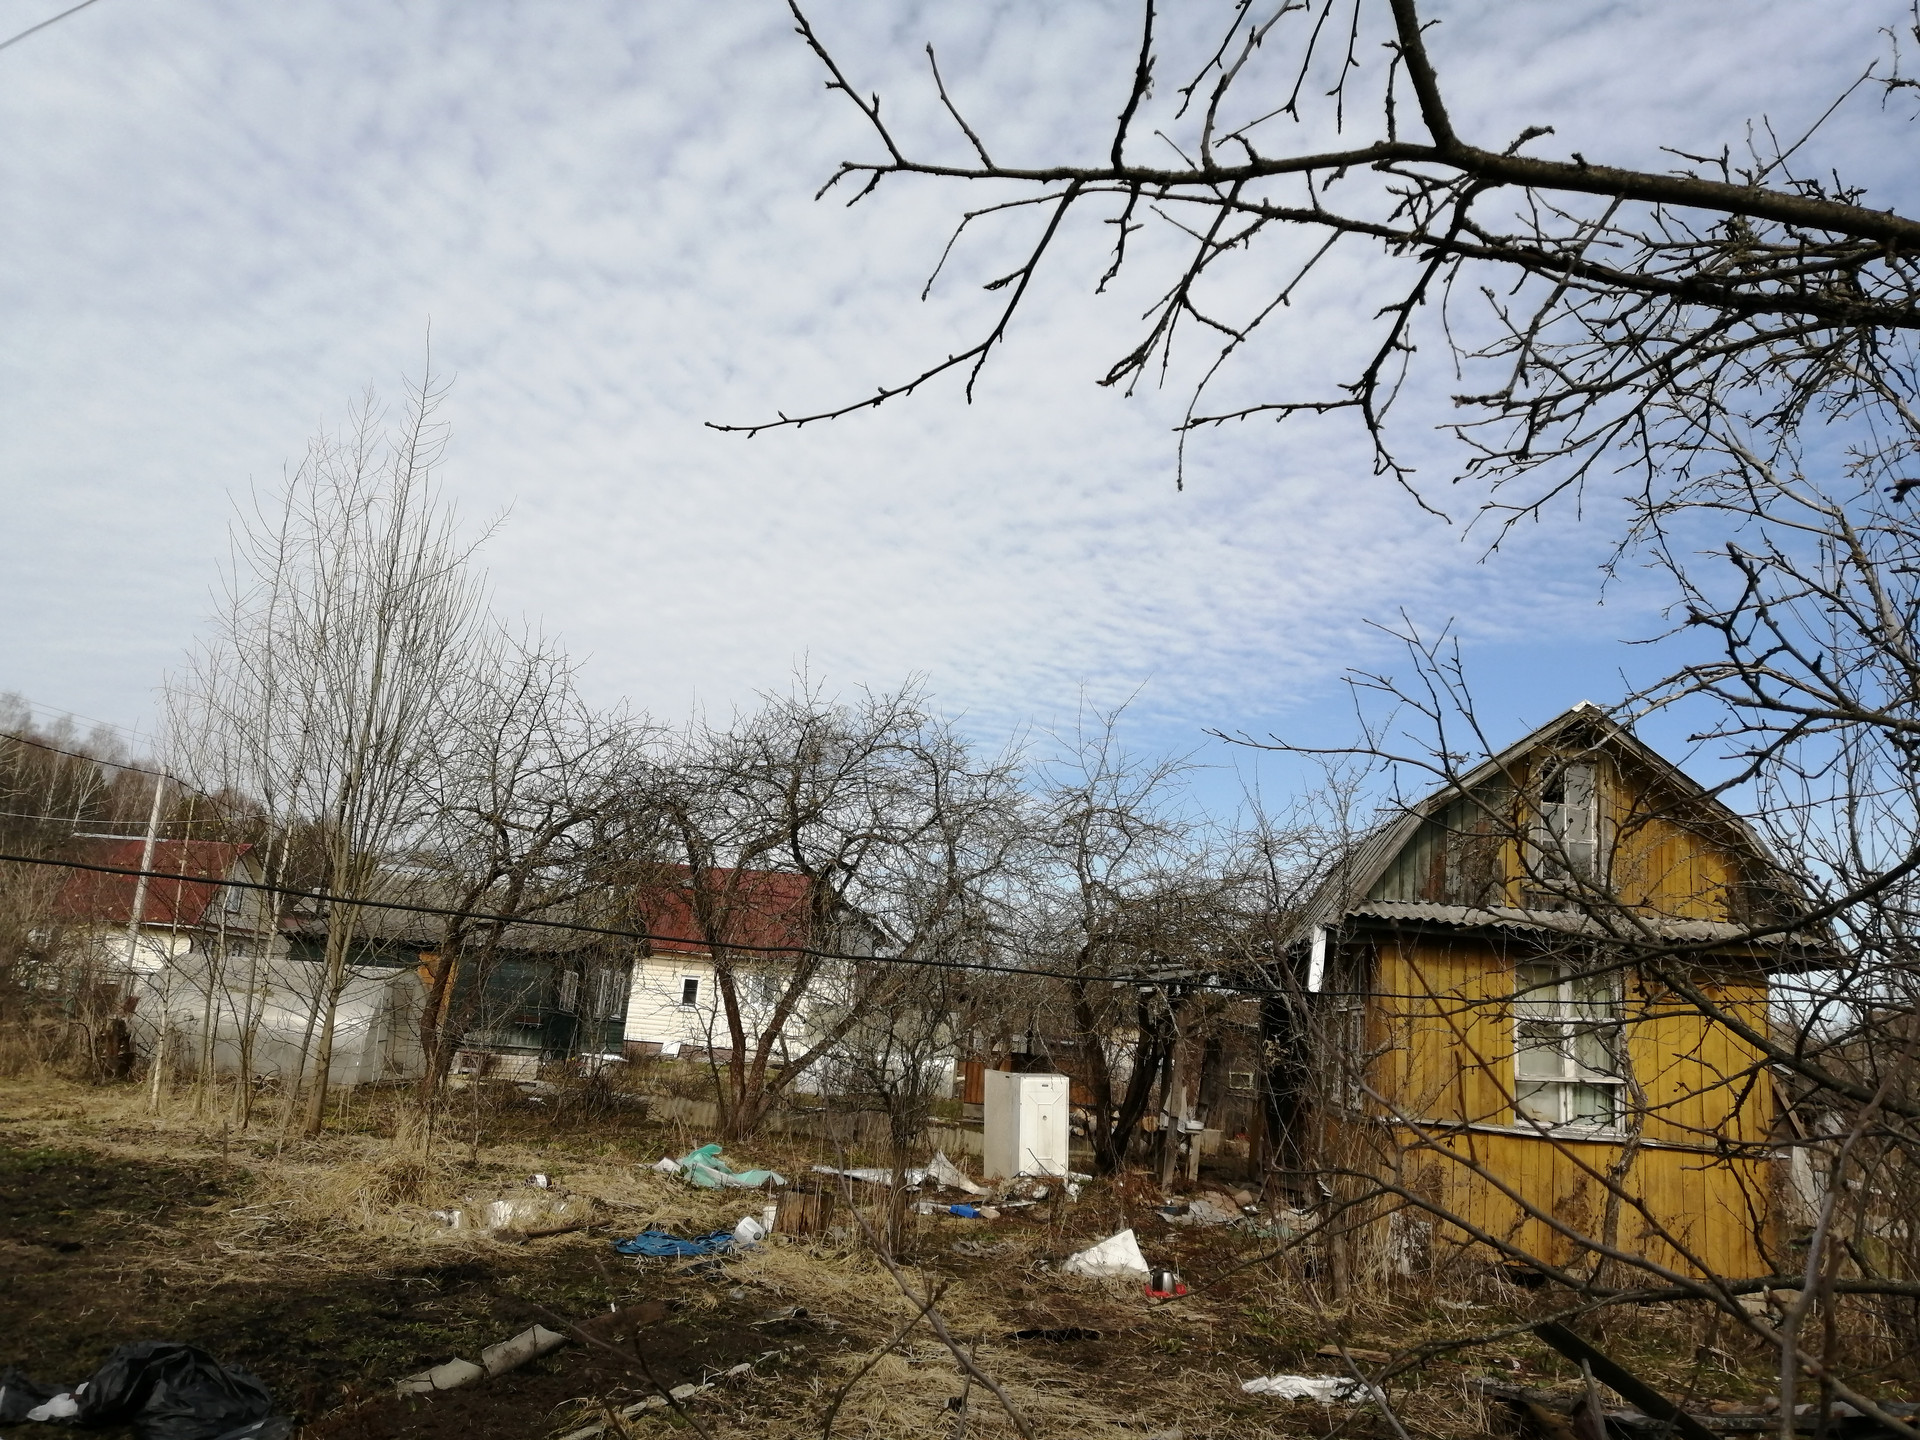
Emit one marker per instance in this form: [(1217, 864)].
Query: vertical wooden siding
[(1441, 1034)]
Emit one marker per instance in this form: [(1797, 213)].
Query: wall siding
[(1440, 1034)]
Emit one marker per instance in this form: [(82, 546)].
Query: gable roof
[(193, 871), (1347, 887), (768, 908)]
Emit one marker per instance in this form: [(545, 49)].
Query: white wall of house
[(657, 1003), (672, 1002)]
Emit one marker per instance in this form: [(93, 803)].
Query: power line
[(36, 29), (609, 931), (52, 749)]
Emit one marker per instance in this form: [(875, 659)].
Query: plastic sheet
[(659, 1245), (1117, 1255), (1327, 1389), (163, 1389), (705, 1168)]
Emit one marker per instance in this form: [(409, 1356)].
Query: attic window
[(1566, 1038), (1566, 824)]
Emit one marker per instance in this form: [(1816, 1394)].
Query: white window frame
[(687, 1002), (1565, 834), (1568, 1033)]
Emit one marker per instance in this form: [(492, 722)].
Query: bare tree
[(530, 817), (890, 826), (1618, 308), (347, 628), (1132, 896)]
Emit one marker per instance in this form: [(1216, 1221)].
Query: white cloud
[(221, 220)]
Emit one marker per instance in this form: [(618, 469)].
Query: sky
[(223, 222)]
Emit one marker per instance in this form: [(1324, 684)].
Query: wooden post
[(803, 1212)]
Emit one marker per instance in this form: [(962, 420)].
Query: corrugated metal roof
[(193, 870), (1629, 927)]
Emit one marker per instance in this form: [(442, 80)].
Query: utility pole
[(135, 916), (138, 912)]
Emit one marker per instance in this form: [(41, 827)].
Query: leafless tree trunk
[(346, 634), (889, 829), (533, 816)]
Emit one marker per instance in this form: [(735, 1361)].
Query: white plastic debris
[(749, 1231), (450, 1376), (945, 1172), (914, 1177), (1327, 1389), (452, 1219), (1117, 1255), (667, 1166), (529, 1344), (540, 1181), (60, 1407)]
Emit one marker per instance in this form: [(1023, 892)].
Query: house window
[(570, 991), (1567, 823), (606, 994), (1566, 1046), (689, 989)]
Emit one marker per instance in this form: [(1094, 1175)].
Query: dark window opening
[(690, 990)]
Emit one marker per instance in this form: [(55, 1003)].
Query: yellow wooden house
[(1522, 1027)]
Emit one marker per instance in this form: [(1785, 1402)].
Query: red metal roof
[(192, 871), (765, 907)]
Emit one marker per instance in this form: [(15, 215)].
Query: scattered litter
[(452, 1219), (165, 1390), (944, 1172), (965, 1212), (539, 1182), (1060, 1336), (60, 1407), (913, 1177), (537, 1215), (511, 1354), (1327, 1389), (19, 1396), (1165, 1285), (681, 1393), (529, 1344), (749, 1231), (1116, 1255), (1200, 1211), (660, 1245), (448, 1376), (666, 1165), (705, 1168)]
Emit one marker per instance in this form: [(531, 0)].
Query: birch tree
[(348, 625)]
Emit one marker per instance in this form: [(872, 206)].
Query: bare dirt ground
[(318, 1266)]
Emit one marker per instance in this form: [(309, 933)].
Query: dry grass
[(355, 1198)]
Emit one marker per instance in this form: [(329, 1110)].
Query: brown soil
[(96, 1251)]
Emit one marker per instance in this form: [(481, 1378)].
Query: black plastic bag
[(18, 1395), (170, 1391)]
